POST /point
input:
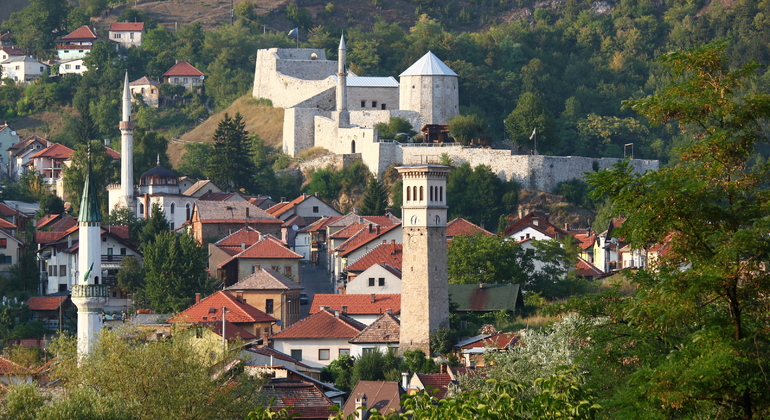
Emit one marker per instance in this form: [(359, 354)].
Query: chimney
[(378, 229), (316, 194), (197, 298), (370, 228), (304, 196), (69, 241), (336, 313), (355, 211), (384, 241), (247, 212), (243, 246), (361, 407), (389, 311), (344, 309), (324, 307), (566, 226), (404, 380), (107, 142), (239, 296), (373, 298)]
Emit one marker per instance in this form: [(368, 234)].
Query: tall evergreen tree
[(230, 166), (103, 172), (375, 199), (156, 224)]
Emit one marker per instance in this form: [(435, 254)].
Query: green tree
[(703, 302), (130, 275), (195, 160), (465, 128), (487, 259), (395, 128), (37, 26), (124, 216), (530, 115), (156, 224), (24, 276), (230, 157), (51, 204), (375, 199), (103, 172), (149, 149), (176, 271)]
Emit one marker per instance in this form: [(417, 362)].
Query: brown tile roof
[(45, 303), (6, 224), (584, 268), (11, 368), (11, 51), (364, 236), (247, 235), (535, 221), (261, 202), (320, 224), (183, 68), (460, 226), (144, 81), (112, 153), (31, 139), (385, 254), (215, 196), (267, 247), (232, 212), (385, 329), (266, 279), (304, 398), (54, 151), (435, 382), (41, 237), (126, 26), (238, 312), (269, 351), (499, 341), (373, 304), (322, 325), (586, 237), (383, 395)]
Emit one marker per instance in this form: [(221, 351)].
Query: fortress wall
[(387, 96), (298, 132), (436, 98), (283, 82), (367, 118), (532, 172), (306, 69)]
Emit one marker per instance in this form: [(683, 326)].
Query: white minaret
[(126, 195), (342, 86), (424, 278), (89, 293)]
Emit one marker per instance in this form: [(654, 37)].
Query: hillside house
[(382, 335), (127, 34), (7, 52), (11, 247), (78, 43), (184, 74), (22, 69), (310, 207), (20, 153), (379, 278), (390, 254), (8, 137), (73, 66), (362, 239), (147, 89)]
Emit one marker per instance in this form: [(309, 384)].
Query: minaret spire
[(126, 195), (342, 85)]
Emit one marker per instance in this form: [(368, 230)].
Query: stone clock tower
[(424, 291)]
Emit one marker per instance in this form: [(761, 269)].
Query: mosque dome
[(159, 180)]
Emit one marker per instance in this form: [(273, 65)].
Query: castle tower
[(126, 195), (343, 117), (429, 87), (424, 281), (88, 294)]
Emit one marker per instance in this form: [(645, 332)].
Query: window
[(63, 270), (381, 281), (437, 220), (66, 51), (408, 194), (367, 350), (371, 281), (184, 80), (176, 80), (172, 204), (131, 35), (67, 66), (123, 251), (276, 268), (187, 206), (268, 306), (383, 107), (3, 243), (323, 354), (117, 36), (254, 268), (77, 66), (104, 239), (346, 352), (41, 69), (315, 209), (420, 193), (51, 270), (430, 193), (363, 104), (6, 259), (62, 287), (441, 194), (287, 270), (296, 354), (374, 104)]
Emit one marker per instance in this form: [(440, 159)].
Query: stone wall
[(387, 96), (298, 129), (436, 98), (291, 81)]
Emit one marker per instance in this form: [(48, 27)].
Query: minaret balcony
[(90, 291)]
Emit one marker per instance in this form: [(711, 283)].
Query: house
[(587, 239), (11, 247), (73, 66), (184, 74), (438, 385), (78, 43), (272, 293), (127, 34), (311, 207), (481, 298), (280, 372), (382, 335), (48, 162), (7, 52), (471, 350), (267, 252), (261, 201), (19, 154), (290, 231), (314, 235), (363, 308), (224, 249), (56, 222), (12, 373), (384, 396), (587, 270), (305, 398), (268, 356), (22, 68), (379, 278), (319, 338), (460, 226), (341, 229), (213, 220), (362, 239), (147, 89), (390, 254), (17, 219), (535, 226), (237, 312), (8, 137), (50, 309)]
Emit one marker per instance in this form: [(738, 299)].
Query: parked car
[(303, 299)]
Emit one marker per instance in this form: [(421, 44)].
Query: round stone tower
[(429, 87)]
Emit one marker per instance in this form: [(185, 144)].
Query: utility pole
[(224, 338)]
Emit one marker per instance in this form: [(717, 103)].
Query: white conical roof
[(428, 65)]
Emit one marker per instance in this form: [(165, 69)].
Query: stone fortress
[(330, 107)]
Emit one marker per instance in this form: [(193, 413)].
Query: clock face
[(413, 241), (415, 220)]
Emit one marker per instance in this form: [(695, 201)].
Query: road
[(314, 280)]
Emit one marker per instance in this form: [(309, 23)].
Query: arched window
[(141, 209), (353, 146), (438, 220), (408, 193), (421, 193), (430, 193), (187, 211), (172, 208), (441, 194)]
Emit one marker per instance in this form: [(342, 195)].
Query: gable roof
[(435, 382), (460, 226), (54, 151), (238, 312), (537, 221), (485, 297), (304, 398), (4, 224), (271, 352), (364, 236), (183, 68), (428, 65), (321, 224), (126, 26), (384, 330), (385, 396), (324, 324), (388, 254), (247, 235), (46, 303), (586, 237), (232, 212), (232, 331), (584, 268), (266, 279), (144, 81), (10, 368), (44, 238), (267, 248), (498, 341), (10, 50), (370, 304)]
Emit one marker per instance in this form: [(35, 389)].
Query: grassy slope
[(265, 121)]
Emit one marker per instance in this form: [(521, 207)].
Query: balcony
[(90, 291), (112, 258)]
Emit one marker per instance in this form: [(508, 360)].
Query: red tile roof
[(54, 151), (41, 237), (383, 395), (247, 235), (83, 32), (112, 153), (232, 331), (6, 210), (11, 368), (266, 279), (183, 68), (460, 226), (11, 51), (373, 304), (535, 221), (435, 382), (267, 247), (364, 236), (321, 224), (499, 341), (238, 312), (585, 237), (584, 268), (127, 26), (6, 224), (385, 254), (385, 329), (45, 303), (322, 325)]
